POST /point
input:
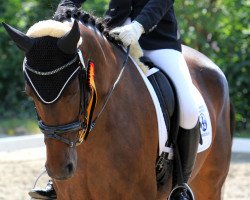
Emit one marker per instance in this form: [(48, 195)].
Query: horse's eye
[(70, 92), (72, 89)]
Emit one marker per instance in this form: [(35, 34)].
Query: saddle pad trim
[(162, 129), (152, 71)]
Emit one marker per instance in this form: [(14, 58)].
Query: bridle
[(84, 117), (88, 99)]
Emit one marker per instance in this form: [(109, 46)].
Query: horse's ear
[(22, 41), (68, 43)]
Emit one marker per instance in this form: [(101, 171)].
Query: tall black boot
[(68, 8), (188, 141)]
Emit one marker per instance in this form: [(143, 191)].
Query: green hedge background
[(218, 28)]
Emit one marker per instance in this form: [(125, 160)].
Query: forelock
[(50, 28)]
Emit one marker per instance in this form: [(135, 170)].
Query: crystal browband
[(26, 66)]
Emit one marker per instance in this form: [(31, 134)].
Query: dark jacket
[(156, 16)]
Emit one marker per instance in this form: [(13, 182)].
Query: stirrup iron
[(185, 187)]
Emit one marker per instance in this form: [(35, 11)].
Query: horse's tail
[(232, 119)]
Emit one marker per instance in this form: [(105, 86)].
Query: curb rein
[(85, 124)]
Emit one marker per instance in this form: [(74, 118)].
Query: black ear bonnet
[(48, 70), (50, 63)]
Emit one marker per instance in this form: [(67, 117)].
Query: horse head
[(52, 69)]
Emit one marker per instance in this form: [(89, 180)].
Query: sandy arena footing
[(19, 170)]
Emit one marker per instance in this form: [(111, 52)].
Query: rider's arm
[(152, 13)]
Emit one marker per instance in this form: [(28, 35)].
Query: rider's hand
[(128, 34)]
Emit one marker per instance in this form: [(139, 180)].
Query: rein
[(112, 88), (85, 124)]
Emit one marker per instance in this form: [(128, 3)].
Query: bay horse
[(117, 160)]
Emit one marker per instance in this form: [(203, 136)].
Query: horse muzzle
[(63, 172), (61, 162)]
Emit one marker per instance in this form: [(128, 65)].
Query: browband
[(27, 68)]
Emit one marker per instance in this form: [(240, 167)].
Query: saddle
[(167, 97)]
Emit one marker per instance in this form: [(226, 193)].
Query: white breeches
[(172, 62)]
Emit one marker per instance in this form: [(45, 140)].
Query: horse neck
[(128, 108), (107, 58)]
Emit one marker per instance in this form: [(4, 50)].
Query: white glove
[(128, 34)]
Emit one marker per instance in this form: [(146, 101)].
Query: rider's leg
[(173, 63)]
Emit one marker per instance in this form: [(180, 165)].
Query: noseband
[(55, 131), (85, 124)]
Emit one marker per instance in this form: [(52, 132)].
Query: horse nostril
[(70, 168)]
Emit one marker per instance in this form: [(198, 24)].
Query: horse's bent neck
[(105, 56)]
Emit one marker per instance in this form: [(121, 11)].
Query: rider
[(153, 23)]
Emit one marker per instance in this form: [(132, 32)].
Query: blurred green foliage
[(218, 28), (221, 30), (18, 126)]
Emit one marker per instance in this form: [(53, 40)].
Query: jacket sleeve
[(117, 13), (152, 13)]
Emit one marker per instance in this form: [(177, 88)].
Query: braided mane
[(101, 25), (85, 18)]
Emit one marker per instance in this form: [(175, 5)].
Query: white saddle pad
[(204, 118)]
